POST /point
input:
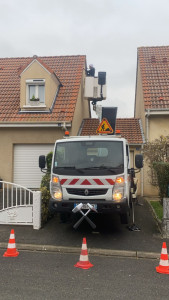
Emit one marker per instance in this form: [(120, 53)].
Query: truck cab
[(91, 169)]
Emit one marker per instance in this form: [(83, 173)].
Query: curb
[(92, 251)]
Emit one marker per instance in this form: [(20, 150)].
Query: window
[(35, 91)]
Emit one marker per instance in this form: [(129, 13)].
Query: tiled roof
[(154, 66), (130, 128), (69, 71), (35, 58)]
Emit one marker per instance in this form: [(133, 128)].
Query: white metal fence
[(19, 205)]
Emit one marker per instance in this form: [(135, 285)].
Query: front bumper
[(102, 205)]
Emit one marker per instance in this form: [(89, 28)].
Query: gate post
[(36, 210)]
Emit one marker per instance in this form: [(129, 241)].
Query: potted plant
[(34, 101)]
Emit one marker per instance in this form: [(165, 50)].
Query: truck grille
[(87, 192)]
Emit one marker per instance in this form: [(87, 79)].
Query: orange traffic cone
[(11, 250), (84, 263), (164, 265)]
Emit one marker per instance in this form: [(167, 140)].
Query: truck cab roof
[(92, 137)]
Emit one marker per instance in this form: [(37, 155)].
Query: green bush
[(46, 181), (162, 171), (49, 161), (45, 190), (45, 204)]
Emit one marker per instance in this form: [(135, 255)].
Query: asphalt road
[(39, 275)]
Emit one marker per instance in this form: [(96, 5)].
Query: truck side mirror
[(42, 162), (139, 161)]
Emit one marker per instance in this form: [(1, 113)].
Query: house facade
[(131, 130), (40, 97), (152, 100)]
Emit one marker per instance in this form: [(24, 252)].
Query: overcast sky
[(108, 32)]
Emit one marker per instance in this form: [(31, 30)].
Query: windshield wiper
[(70, 168), (67, 167), (102, 167), (112, 170)]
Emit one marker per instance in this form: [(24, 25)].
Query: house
[(40, 97), (152, 100), (131, 129)]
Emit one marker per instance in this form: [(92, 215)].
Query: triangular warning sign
[(104, 127)]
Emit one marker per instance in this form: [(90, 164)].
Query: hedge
[(162, 171), (45, 190), (49, 161)]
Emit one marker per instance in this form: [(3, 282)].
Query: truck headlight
[(118, 190), (55, 188), (57, 194), (118, 194)]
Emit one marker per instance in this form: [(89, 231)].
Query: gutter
[(137, 144), (34, 124), (154, 111)]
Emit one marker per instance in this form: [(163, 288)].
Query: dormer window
[(39, 87), (35, 90)]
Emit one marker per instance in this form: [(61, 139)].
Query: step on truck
[(95, 170)]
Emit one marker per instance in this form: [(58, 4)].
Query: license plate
[(85, 205)]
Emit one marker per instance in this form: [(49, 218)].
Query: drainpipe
[(64, 126), (142, 178), (147, 125)]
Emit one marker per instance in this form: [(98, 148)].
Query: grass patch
[(157, 208)]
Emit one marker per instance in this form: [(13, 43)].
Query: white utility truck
[(92, 170)]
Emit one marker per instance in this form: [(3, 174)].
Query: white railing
[(19, 205)]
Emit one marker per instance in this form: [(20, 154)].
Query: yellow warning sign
[(104, 127)]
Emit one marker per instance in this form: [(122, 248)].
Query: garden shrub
[(45, 190), (49, 161), (162, 171), (156, 154), (45, 182), (45, 204)]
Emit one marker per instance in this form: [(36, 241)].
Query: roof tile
[(154, 66), (130, 128), (68, 69)]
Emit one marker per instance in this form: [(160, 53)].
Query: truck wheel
[(124, 218)]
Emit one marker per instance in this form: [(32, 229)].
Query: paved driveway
[(109, 234)]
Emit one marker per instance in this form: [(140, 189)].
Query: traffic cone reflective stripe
[(164, 264), (11, 250), (84, 245), (84, 253), (83, 262)]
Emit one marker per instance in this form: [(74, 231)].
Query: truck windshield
[(89, 158)]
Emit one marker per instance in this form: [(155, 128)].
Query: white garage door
[(26, 164)]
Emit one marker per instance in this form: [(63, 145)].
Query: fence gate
[(19, 205)]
